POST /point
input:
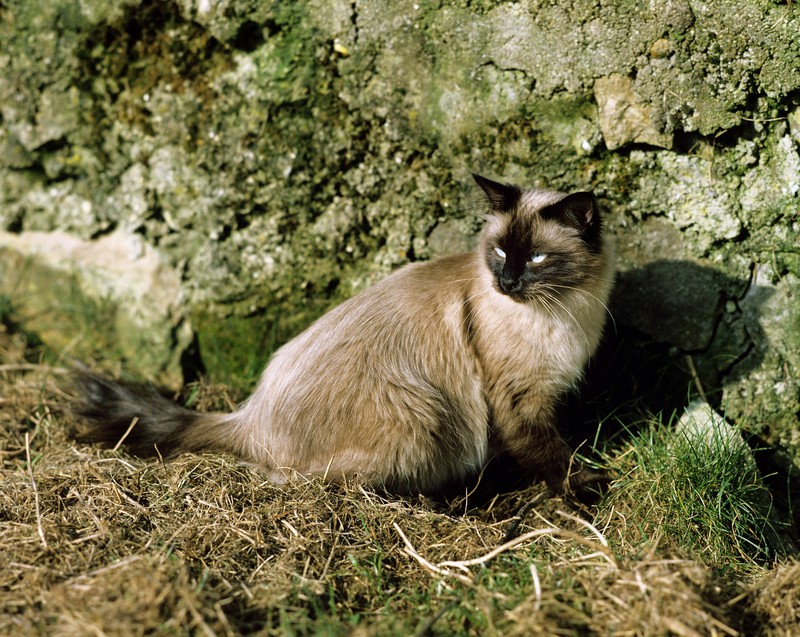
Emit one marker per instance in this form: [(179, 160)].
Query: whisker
[(548, 308), (552, 297), (589, 294)]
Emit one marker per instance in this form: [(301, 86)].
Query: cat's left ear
[(580, 211), (502, 197)]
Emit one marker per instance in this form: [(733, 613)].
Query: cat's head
[(541, 245)]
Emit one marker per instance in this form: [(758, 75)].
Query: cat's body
[(412, 384)]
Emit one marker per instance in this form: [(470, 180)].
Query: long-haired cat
[(412, 384)]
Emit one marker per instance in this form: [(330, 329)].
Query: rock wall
[(278, 157)]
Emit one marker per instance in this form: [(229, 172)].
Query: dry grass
[(94, 542)]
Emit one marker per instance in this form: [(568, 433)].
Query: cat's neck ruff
[(554, 338)]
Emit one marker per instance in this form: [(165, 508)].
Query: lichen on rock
[(279, 157), (114, 295), (623, 118)]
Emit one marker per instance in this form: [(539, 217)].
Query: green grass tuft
[(697, 490)]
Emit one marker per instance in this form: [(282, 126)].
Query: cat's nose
[(508, 284)]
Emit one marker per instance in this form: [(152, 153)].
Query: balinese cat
[(414, 383)]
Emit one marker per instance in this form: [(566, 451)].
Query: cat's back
[(389, 366), (406, 324), (438, 282), (399, 306)]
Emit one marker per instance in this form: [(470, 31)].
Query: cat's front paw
[(585, 484)]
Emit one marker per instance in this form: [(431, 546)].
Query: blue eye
[(538, 257), (500, 253)]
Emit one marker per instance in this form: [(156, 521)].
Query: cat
[(414, 383)]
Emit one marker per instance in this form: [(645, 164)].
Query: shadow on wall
[(679, 333)]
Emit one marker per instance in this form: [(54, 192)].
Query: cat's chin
[(523, 299), (517, 297)]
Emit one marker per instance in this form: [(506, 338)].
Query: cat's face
[(541, 245)]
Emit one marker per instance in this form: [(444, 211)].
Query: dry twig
[(125, 435), (412, 552), (443, 568), (35, 490)]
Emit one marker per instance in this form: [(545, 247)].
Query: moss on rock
[(283, 156)]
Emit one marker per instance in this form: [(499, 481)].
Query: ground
[(97, 542)]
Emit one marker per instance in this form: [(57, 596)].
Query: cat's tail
[(147, 423)]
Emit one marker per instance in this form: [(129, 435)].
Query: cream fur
[(411, 383), (414, 383)]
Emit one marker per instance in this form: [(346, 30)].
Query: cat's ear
[(502, 197), (578, 210)]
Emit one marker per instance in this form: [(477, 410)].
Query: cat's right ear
[(502, 197)]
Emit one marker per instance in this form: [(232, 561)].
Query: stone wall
[(248, 164)]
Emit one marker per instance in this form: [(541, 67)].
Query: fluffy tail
[(146, 422)]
